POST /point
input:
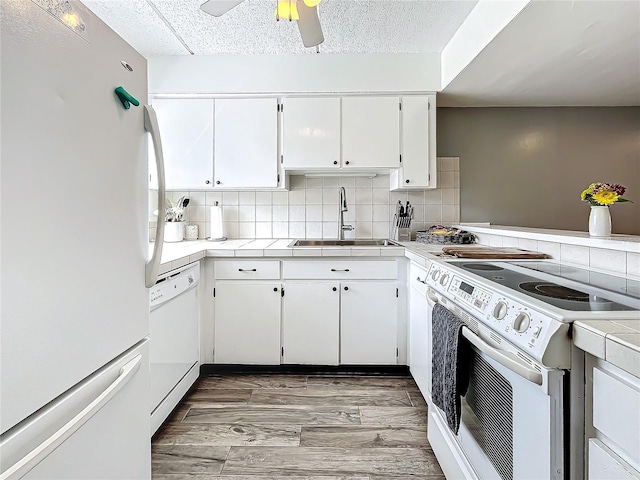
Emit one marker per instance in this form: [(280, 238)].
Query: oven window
[(488, 413)]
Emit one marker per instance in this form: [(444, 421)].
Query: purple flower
[(619, 189)]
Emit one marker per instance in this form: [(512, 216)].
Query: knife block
[(404, 234)]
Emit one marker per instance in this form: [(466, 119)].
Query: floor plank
[(331, 396), (187, 459), (235, 434), (253, 381), (409, 462), (215, 395), (274, 414), (352, 383), (393, 416), (364, 436), (417, 400)]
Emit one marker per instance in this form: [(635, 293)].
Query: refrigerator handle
[(26, 463), (153, 265)]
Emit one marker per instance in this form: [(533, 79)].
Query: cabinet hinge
[(278, 178), (214, 293), (400, 105), (282, 351), (400, 158), (396, 293), (429, 177), (397, 352), (282, 107), (281, 158), (282, 292), (428, 105)]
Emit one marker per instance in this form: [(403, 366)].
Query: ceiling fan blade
[(309, 25), (219, 7)]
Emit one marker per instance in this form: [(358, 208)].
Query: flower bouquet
[(603, 194)]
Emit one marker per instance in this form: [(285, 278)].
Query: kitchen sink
[(343, 243)]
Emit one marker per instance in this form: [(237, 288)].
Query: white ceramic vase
[(599, 221), (173, 231)]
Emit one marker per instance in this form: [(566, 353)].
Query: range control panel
[(531, 330)]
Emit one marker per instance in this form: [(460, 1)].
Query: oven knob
[(521, 322), (444, 279), (500, 310), (435, 274)]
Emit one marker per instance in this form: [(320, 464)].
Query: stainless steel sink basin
[(343, 243)]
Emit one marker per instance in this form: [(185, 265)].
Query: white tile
[(380, 213), (247, 198), (313, 213), (313, 196), (380, 181), (229, 198), (279, 198), (380, 229), (330, 213), (296, 230), (433, 197), (263, 213), (395, 197), (633, 264), (510, 242), (449, 214), (230, 229), (330, 182), (313, 229), (314, 182), (495, 241), (296, 182), (331, 196), (528, 244), (350, 215), (364, 182), (550, 248), (364, 230), (623, 350), (247, 213), (446, 164), (574, 254), (416, 198), (264, 198), (329, 229), (296, 213), (446, 180), (280, 229), (347, 182), (418, 213), (336, 252), (364, 195), (433, 214), (456, 195), (612, 260), (197, 213), (212, 197), (307, 252), (380, 196), (296, 197), (247, 229), (280, 213), (363, 213), (448, 196), (197, 199), (230, 213), (456, 179), (263, 230)]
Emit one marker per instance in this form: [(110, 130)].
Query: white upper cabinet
[(186, 129), (311, 133), (418, 144), (246, 143), (370, 132)]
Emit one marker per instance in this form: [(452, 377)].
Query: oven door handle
[(503, 358)]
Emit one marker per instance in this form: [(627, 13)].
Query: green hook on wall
[(126, 98)]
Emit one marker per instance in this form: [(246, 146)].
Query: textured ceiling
[(179, 27)]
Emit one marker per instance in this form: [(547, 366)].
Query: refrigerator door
[(73, 202), (97, 430)]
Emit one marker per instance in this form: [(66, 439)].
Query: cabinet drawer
[(417, 278), (247, 270), (615, 412), (339, 270)]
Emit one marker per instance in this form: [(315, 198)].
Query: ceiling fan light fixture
[(287, 9), (312, 3)]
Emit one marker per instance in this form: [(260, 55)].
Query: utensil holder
[(173, 231)]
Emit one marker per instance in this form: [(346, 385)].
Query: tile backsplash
[(310, 208)]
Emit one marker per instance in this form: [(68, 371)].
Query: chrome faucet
[(343, 208)]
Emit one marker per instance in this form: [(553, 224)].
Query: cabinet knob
[(218, 182), (406, 181), (335, 162), (207, 182), (275, 289), (334, 289), (346, 288), (347, 162)]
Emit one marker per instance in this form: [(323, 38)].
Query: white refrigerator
[(74, 318)]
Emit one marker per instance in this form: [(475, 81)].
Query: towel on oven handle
[(450, 356)]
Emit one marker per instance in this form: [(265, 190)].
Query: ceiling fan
[(304, 11)]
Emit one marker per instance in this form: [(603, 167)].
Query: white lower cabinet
[(419, 333), (311, 323), (247, 322), (368, 323)]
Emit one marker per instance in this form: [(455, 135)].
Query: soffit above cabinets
[(179, 27)]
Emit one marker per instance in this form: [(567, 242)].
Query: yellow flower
[(604, 197), (584, 194)]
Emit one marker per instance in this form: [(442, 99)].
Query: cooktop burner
[(543, 282)]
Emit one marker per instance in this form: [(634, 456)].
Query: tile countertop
[(615, 341)]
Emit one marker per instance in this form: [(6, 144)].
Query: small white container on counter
[(191, 232), (173, 231)]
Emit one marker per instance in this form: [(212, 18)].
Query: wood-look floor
[(297, 427)]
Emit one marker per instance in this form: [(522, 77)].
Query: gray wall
[(526, 166)]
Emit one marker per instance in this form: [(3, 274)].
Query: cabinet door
[(186, 129), (311, 133), (370, 132), (415, 141), (247, 323), (369, 312), (246, 143), (311, 323)]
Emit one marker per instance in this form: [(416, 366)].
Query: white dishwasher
[(174, 339)]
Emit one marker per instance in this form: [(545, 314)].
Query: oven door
[(512, 419)]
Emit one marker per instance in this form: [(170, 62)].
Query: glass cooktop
[(565, 287)]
